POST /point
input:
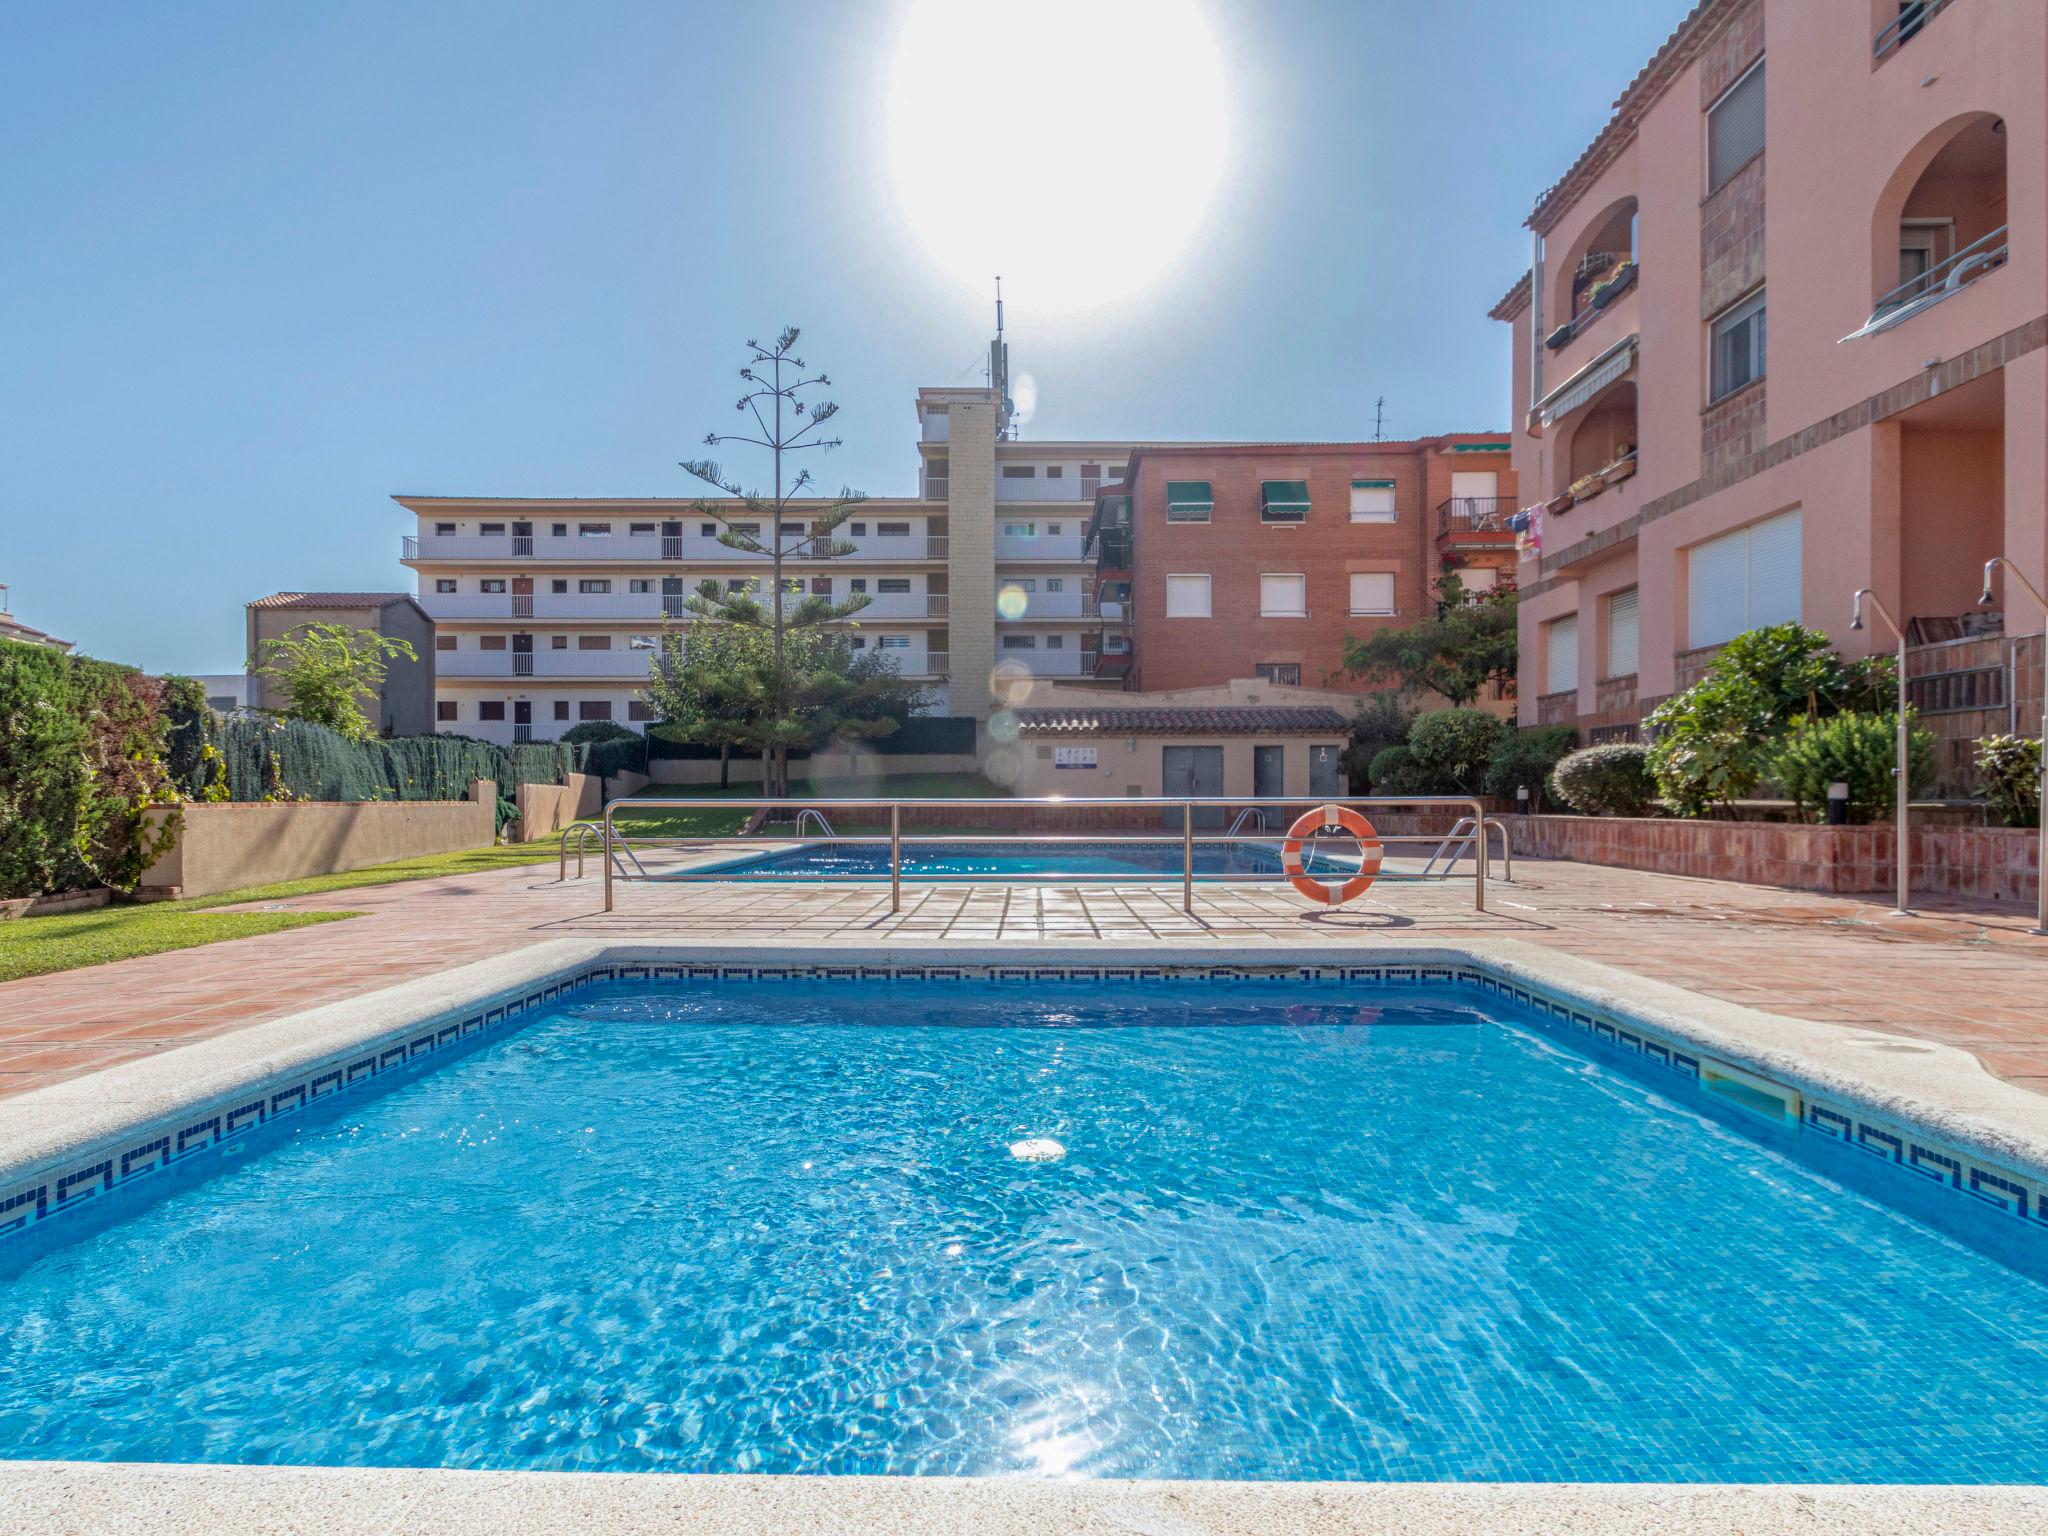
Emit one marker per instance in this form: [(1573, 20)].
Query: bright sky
[(262, 265)]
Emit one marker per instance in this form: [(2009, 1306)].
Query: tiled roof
[(1227, 720), (329, 599), (1514, 301)]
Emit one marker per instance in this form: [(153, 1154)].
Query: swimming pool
[(1298, 1231), (1130, 860)]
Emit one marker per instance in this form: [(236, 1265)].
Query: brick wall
[(1235, 547), (1732, 239), (1694, 665), (1953, 672), (1734, 48), (1732, 428)]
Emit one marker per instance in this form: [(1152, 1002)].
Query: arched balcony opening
[(1596, 269), (1940, 223), (1598, 449)]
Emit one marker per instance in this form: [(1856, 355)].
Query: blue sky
[(263, 265)]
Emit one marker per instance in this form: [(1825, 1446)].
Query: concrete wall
[(404, 705), (971, 550), (227, 847), (544, 809), (1133, 765)]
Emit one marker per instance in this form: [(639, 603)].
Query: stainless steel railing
[(616, 842)]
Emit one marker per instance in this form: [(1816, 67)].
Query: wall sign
[(1073, 757)]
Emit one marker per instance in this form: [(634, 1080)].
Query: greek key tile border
[(161, 1145)]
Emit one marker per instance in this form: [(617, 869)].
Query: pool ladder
[(582, 831), (806, 816), (1459, 840)]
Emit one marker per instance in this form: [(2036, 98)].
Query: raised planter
[(1978, 863)]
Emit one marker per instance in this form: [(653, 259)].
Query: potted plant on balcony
[(1610, 286), (1623, 466), (1557, 504), (1586, 487), (1558, 337)]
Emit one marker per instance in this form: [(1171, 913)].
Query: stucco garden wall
[(228, 846)]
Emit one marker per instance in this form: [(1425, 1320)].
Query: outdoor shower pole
[(1902, 850), (1187, 856), (2040, 863)]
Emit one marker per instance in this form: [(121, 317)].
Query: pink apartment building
[(1785, 334)]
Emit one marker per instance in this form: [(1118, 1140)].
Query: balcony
[(543, 664), (543, 605), (1903, 28), (692, 548), (1040, 606), (1475, 522), (1041, 663), (1599, 298), (899, 605), (1978, 259), (1043, 544), (1038, 488)]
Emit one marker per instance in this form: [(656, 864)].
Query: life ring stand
[(1331, 818)]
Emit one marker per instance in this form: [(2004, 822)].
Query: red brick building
[(1220, 561)]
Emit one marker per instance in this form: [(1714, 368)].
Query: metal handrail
[(1462, 833), (808, 814), (1936, 283), (581, 829), (1251, 813), (614, 842), (1905, 26)]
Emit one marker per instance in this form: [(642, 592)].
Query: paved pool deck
[(1960, 975)]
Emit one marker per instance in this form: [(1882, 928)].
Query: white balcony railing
[(1044, 663), (1043, 544), (898, 605), (691, 548), (543, 664), (543, 605), (1036, 606), (1067, 488)]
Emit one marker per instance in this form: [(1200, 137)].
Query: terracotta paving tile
[(1963, 975)]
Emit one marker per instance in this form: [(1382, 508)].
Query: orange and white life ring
[(1331, 818)]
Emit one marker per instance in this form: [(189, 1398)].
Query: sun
[(1074, 146)]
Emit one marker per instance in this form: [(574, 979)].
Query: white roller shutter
[(1474, 484), (1561, 655), (1621, 633), (1774, 570), (1717, 589), (1372, 592)]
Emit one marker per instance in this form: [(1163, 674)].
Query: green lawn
[(32, 946), (471, 861), (701, 823)]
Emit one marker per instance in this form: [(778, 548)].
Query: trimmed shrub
[(1525, 761), (1859, 750), (2011, 766), (1395, 771), (1613, 780), (1453, 748), (590, 732)]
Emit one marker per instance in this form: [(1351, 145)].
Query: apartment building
[(549, 610), (1783, 337), (1256, 560)]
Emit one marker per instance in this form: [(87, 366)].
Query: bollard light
[(1838, 804)]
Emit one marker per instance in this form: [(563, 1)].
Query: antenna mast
[(999, 371), (1379, 419)]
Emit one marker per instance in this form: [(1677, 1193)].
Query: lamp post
[(1902, 852), (2014, 573)]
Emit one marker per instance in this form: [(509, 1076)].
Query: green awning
[(1372, 485), (1189, 495), (1283, 499), (1479, 447)]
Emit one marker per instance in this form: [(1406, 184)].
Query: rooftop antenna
[(1379, 419), (999, 371)]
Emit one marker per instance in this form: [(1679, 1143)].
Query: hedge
[(271, 758)]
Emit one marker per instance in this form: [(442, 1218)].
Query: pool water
[(1342, 1232), (1114, 859)]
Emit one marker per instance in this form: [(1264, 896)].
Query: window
[(1743, 580), (1055, 583), (640, 584), (892, 530), (707, 530), (856, 583), (858, 642), (1188, 501), (636, 709), (593, 709), (1020, 642), (1477, 578), (1372, 501), (1055, 642), (789, 527), (639, 530), (1187, 597), (821, 586), (1372, 592), (739, 583), (561, 709), (490, 642), (491, 530), (593, 642), (892, 583), (1621, 633), (1283, 597), (444, 531), (1561, 654), (1283, 501), (793, 584), (1287, 672), (1735, 128), (1052, 530), (558, 642), (1017, 584), (1738, 346), (444, 709), (1020, 471), (640, 643), (444, 642), (856, 530), (490, 709), (593, 530), (893, 643), (444, 583), (491, 584), (559, 530), (1020, 530), (558, 587), (594, 584), (1055, 471)]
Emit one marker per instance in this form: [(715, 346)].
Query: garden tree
[(1382, 721), (784, 696), (1468, 644), (725, 684), (328, 671)]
